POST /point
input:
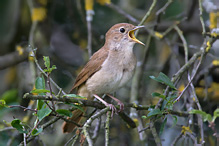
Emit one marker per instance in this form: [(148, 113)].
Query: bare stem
[(88, 124), (107, 128)]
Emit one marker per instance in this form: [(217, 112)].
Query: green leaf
[(46, 61), (10, 96), (216, 114), (40, 91), (162, 78), (40, 83), (205, 116), (155, 94), (3, 103), (74, 96), (64, 112), (36, 131), (16, 123), (154, 112), (42, 113), (143, 117), (52, 68), (162, 126), (76, 106)]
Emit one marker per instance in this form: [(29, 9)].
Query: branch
[(123, 13), (154, 133), (107, 128), (95, 104), (12, 59), (88, 124), (44, 126), (45, 74), (201, 16)]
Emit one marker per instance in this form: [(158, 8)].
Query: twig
[(38, 66), (75, 139), (129, 17), (154, 133), (31, 42), (89, 39), (138, 73), (44, 126), (107, 128), (72, 138), (50, 89), (186, 66), (120, 11), (190, 79), (146, 128), (25, 142), (161, 10), (95, 103), (7, 128), (12, 59), (88, 123), (201, 16), (65, 119), (176, 139), (184, 42), (25, 108), (147, 15), (149, 12), (97, 129)]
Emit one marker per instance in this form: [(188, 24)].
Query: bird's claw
[(121, 105), (112, 108)]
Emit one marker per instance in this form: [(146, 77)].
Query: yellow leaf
[(136, 122), (213, 20), (30, 57), (20, 50), (89, 5), (26, 119), (159, 35), (193, 98), (34, 89), (181, 87), (102, 2), (38, 14), (186, 129), (215, 62), (208, 46), (214, 34)]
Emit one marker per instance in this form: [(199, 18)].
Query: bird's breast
[(114, 73)]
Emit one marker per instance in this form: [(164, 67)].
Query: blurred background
[(59, 29)]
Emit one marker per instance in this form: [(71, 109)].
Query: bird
[(108, 69)]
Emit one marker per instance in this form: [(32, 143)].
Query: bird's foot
[(112, 108), (121, 105)]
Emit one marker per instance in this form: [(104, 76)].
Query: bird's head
[(122, 33)]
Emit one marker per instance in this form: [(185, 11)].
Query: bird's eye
[(122, 30)]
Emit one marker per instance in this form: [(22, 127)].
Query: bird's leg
[(111, 106), (118, 101)]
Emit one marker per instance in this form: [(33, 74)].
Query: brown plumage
[(110, 68)]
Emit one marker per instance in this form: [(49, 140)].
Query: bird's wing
[(91, 67)]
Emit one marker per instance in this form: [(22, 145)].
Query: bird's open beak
[(132, 34)]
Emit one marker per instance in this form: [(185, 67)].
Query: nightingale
[(109, 69)]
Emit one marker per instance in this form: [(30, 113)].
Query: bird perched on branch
[(109, 69)]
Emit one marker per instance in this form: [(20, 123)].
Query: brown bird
[(109, 69)]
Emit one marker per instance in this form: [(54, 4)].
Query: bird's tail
[(77, 116)]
